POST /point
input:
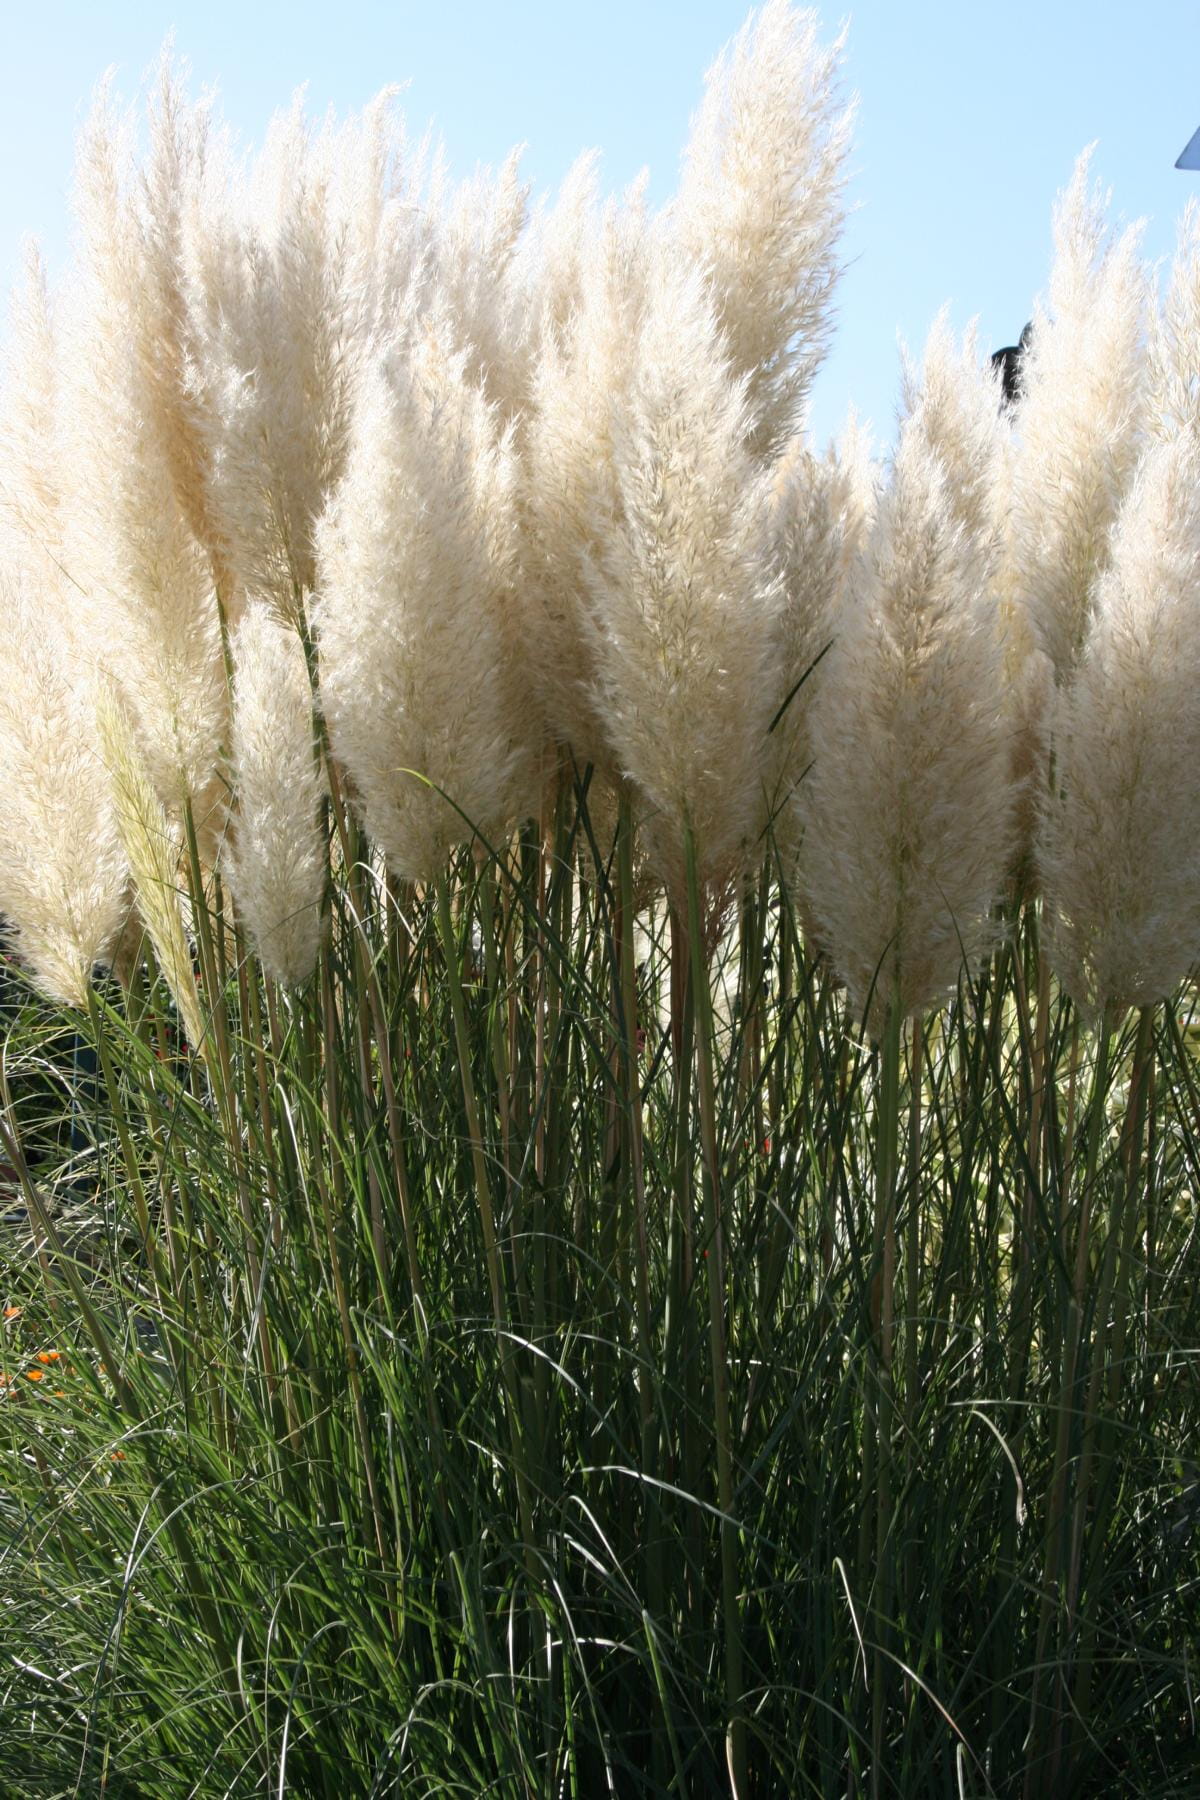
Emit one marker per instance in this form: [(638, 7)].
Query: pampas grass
[(585, 1215)]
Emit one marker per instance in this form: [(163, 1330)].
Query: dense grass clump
[(499, 1368)]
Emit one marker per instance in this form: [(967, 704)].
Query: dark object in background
[(1190, 155), (1009, 361)]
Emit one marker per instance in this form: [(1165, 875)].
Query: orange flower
[(48, 1356), (12, 1312), (60, 1393), (117, 1456), (33, 1374)]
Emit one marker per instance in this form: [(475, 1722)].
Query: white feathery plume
[(907, 809), (760, 206), (415, 556), (820, 509), (1119, 849), (958, 398), (1079, 424), (168, 196), (152, 844), (274, 354), (277, 860), (30, 482), (62, 871), (381, 230), (571, 490), (1175, 337), (547, 267), (476, 233), (146, 602), (684, 597)]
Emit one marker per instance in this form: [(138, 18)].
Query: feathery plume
[(759, 206), (1079, 423), (1119, 848), (476, 235), (277, 861), (30, 483), (415, 555), (548, 263), (274, 355), (62, 872), (684, 599), (571, 492), (1175, 337), (907, 810), (152, 848), (146, 599), (820, 509)]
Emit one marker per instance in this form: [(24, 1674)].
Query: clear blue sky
[(969, 120)]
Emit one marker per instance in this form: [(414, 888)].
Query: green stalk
[(736, 1736), (483, 1196), (341, 1292), (1056, 1504), (1098, 1431), (887, 1140)]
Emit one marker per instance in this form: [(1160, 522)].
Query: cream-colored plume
[(477, 230), (760, 206), (1175, 337), (907, 810), (415, 556), (146, 600), (30, 479), (820, 510), (62, 871), (1079, 425), (268, 256), (1119, 849), (684, 596), (277, 859), (153, 845), (571, 494)]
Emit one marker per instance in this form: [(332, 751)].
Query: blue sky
[(969, 121)]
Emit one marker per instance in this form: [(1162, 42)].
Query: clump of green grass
[(392, 1356)]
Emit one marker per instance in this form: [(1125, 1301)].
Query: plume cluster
[(320, 458)]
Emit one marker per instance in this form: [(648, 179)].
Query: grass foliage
[(555, 1353)]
